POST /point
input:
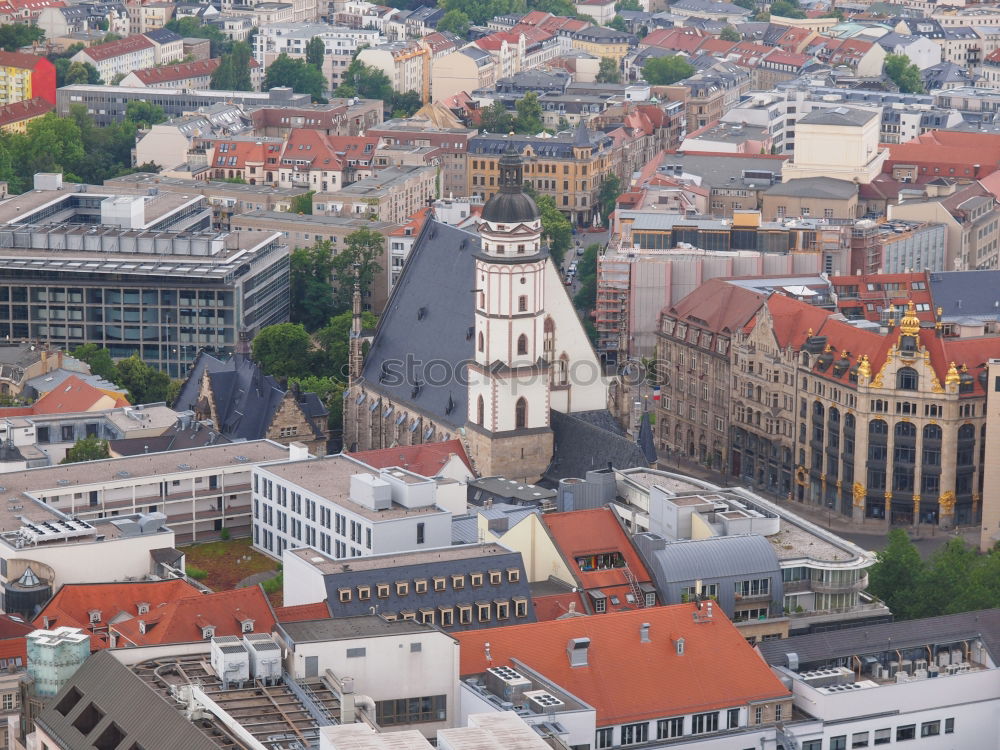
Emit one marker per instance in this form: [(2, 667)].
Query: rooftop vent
[(578, 649)]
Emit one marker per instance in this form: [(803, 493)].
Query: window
[(420, 586), (701, 723), (426, 618), (480, 411), (600, 605), (522, 303), (364, 593), (344, 595), (758, 715), (949, 726), (411, 710), (464, 614), (839, 742), (907, 379), (476, 579), (458, 582), (483, 611), (402, 588), (521, 414), (930, 729), (382, 590), (632, 734), (667, 728), (812, 745), (777, 711), (906, 732), (520, 608), (439, 583), (447, 617), (513, 575), (605, 738), (503, 610), (496, 577), (522, 344), (882, 737), (420, 533), (732, 718), (355, 653), (859, 739)]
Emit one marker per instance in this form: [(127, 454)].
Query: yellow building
[(570, 167), (602, 42), (25, 76), (14, 118)]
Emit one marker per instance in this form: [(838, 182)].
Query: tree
[(283, 350), (365, 81), (405, 104), (731, 34), (13, 36), (481, 11), (529, 114), (145, 384), (303, 204), (609, 71), (747, 4), (311, 285), (193, 27), (99, 360), (586, 271), (315, 52), (90, 448), (557, 232), (69, 73), (618, 24), (233, 72), (364, 248), (787, 9), (663, 71), (53, 145), (896, 575), (496, 119), (607, 198), (633, 5), (904, 74), (334, 339), (330, 391), (144, 114), (297, 74), (455, 21)]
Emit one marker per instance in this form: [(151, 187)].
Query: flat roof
[(329, 566), (330, 221), (146, 180), (330, 478), (347, 628)]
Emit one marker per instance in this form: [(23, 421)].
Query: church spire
[(355, 360)]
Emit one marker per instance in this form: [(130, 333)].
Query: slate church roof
[(423, 338)]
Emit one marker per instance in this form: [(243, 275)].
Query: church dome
[(510, 205)]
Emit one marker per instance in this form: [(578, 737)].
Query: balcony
[(821, 587), (752, 598)]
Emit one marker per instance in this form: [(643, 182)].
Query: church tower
[(508, 409)]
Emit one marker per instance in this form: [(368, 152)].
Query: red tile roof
[(554, 606), (328, 152), (19, 60), (179, 72), (302, 612), (718, 306), (626, 680), (70, 396), (792, 320), (425, 459), (24, 110), (581, 534), (412, 227), (182, 621), (246, 153), (979, 153), (101, 52), (72, 604)]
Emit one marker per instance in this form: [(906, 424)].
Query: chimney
[(577, 650), (644, 633)]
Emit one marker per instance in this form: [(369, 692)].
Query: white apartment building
[(933, 680), (293, 38), (120, 57), (302, 10), (346, 508), (406, 64)]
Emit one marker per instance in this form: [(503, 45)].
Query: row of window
[(422, 585), (883, 736), (466, 614), (703, 723)]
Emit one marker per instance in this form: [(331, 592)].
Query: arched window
[(878, 427), (522, 344), (480, 411), (482, 342), (907, 379), (906, 430), (520, 414), (932, 432)]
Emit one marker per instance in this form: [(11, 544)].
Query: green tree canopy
[(302, 204), (609, 72), (364, 248), (904, 74), (283, 350), (365, 81), (787, 9), (557, 232), (607, 198), (896, 576), (529, 114), (618, 24), (731, 34), (99, 360), (315, 52), (69, 73), (334, 339), (663, 71), (233, 72), (496, 119), (455, 21), (145, 384), (482, 11), (628, 5), (90, 448), (193, 27), (311, 285), (13, 36), (144, 114), (296, 73)]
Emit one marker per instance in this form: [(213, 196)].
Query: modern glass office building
[(160, 294)]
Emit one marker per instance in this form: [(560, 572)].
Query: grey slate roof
[(162, 36), (966, 293), (461, 560), (718, 557), (589, 440), (146, 719), (246, 398), (415, 347), (828, 645), (346, 628), (815, 187), (849, 116)]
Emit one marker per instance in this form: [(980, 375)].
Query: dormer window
[(95, 616), (207, 632), (246, 626), (142, 608)]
